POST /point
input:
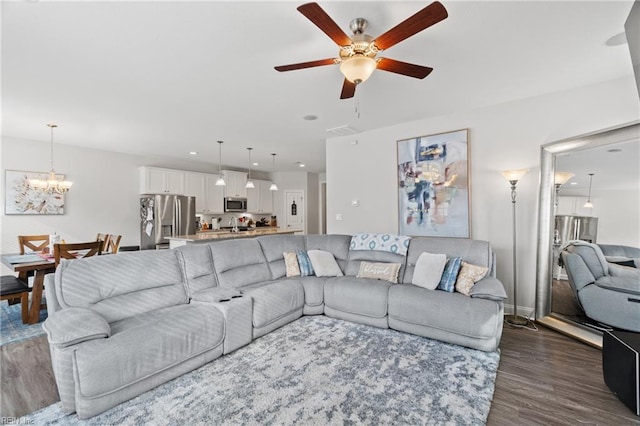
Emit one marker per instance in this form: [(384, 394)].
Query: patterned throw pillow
[(450, 274), (468, 276), (291, 264), (306, 268), (379, 271)]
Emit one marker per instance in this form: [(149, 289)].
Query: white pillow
[(428, 270), (324, 264)]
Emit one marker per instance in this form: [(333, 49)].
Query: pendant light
[(220, 181), (53, 183), (273, 186), (588, 204), (249, 184)]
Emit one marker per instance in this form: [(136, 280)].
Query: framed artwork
[(20, 198), (433, 185)]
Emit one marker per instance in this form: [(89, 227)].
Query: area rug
[(11, 327), (318, 370)]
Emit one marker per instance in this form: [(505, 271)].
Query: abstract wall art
[(433, 185), (20, 198)]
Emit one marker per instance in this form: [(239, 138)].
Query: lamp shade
[(514, 175), (357, 68), (562, 177)]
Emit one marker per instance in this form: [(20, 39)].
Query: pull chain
[(357, 109)]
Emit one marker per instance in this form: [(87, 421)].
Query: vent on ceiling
[(342, 130)]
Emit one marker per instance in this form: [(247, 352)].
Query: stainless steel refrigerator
[(163, 216)]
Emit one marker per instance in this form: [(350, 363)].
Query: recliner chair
[(609, 293)]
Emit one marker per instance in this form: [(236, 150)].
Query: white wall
[(104, 197), (506, 136)]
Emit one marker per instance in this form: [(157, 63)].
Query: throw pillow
[(428, 270), (324, 264), (468, 276), (291, 263), (379, 271), (450, 275), (304, 263)]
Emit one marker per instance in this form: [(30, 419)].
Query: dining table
[(38, 263)]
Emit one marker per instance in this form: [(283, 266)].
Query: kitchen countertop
[(226, 234)]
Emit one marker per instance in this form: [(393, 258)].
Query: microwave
[(232, 204)]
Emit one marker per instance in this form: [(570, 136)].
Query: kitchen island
[(209, 236)]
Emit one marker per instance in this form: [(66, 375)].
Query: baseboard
[(522, 310)]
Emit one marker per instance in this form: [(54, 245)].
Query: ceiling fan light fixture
[(358, 68)]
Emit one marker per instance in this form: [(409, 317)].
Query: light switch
[(355, 203), (338, 216)]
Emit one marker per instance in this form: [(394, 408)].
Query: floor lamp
[(513, 176)]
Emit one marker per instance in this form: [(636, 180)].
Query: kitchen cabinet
[(161, 181), (260, 198), (574, 206), (209, 197), (235, 184)]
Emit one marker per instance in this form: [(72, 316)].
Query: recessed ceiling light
[(310, 117), (256, 164), (301, 164), (193, 153), (573, 183), (614, 150)]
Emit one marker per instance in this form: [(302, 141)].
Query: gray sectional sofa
[(120, 325)]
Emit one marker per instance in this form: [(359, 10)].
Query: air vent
[(343, 130)]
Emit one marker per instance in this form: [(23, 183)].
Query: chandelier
[(53, 183)]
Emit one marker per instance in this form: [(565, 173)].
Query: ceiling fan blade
[(309, 64), (423, 19), (318, 16), (348, 89), (404, 68)]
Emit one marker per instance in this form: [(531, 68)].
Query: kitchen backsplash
[(227, 217)]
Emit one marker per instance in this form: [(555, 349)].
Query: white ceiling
[(172, 77)]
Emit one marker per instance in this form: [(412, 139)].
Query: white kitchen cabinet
[(574, 206), (209, 197), (260, 199), (214, 197), (155, 180), (235, 184)]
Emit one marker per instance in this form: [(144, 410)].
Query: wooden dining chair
[(105, 240), (76, 250), (113, 244), (37, 243), (14, 290)]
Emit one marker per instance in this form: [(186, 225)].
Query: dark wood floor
[(544, 378)]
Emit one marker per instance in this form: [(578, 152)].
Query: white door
[(294, 210)]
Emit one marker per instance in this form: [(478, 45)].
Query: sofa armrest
[(624, 271), (71, 326), (215, 294), (488, 288), (630, 285)]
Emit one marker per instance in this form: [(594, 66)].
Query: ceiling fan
[(358, 53)]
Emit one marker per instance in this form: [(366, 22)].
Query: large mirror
[(602, 169)]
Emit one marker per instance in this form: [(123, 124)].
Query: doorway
[(294, 207)]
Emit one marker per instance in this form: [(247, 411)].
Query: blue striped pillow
[(450, 274), (304, 262)]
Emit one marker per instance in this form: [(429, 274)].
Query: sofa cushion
[(123, 285), (475, 252), (362, 296), (324, 263), (358, 256), (145, 345), (313, 289), (450, 312), (274, 300), (338, 245), (450, 275), (292, 268), (198, 265), (379, 271), (273, 246), (239, 262), (469, 274), (429, 269)]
